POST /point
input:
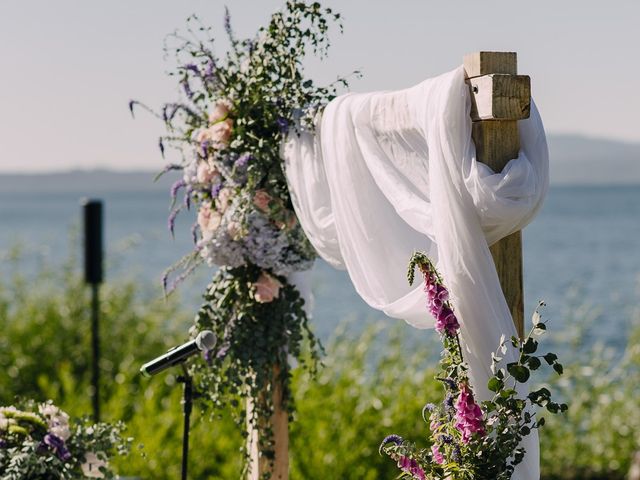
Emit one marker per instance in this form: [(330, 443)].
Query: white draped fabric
[(389, 173)]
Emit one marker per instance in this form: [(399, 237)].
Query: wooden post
[(259, 466), (499, 98)]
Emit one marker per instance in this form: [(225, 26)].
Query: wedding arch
[(281, 170)]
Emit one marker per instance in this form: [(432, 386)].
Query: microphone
[(205, 340)]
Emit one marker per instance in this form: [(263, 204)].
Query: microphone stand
[(187, 405)]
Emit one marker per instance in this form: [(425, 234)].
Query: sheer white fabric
[(390, 173)]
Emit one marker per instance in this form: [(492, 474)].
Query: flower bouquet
[(471, 440), (227, 130), (41, 444)]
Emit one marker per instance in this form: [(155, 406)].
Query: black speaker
[(92, 212)]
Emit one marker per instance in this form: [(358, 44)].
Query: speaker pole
[(93, 275)]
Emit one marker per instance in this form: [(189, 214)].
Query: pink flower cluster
[(409, 465), (468, 414), (437, 298)]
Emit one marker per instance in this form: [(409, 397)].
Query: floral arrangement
[(39, 443), (228, 129), (472, 440)]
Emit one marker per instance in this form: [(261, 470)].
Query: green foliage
[(371, 385), (469, 442)]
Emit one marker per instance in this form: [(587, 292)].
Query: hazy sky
[(69, 67)]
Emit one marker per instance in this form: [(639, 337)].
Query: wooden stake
[(500, 98), (279, 425)]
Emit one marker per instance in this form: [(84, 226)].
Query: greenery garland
[(228, 128)]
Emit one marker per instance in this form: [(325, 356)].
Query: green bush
[(372, 384)]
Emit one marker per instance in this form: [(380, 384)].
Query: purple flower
[(132, 103), (192, 67), (243, 160), (468, 414), (187, 88), (204, 148), (211, 66), (283, 124), (172, 220), (194, 232), (187, 197), (227, 23), (58, 446), (393, 438), (215, 190), (175, 188)]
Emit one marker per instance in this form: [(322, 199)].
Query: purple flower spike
[(204, 149), (132, 103), (194, 232), (193, 68), (395, 439), (171, 221), (187, 197), (175, 188), (211, 66), (187, 88), (243, 160), (215, 190)]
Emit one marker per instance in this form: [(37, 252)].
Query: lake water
[(581, 254)]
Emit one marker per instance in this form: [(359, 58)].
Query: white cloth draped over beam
[(390, 173)]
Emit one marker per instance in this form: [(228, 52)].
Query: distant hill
[(81, 181), (575, 160)]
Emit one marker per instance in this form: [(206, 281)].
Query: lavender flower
[(175, 188), (393, 438), (211, 66), (58, 446), (172, 220), (187, 197), (187, 88), (215, 189), (243, 160), (193, 68)]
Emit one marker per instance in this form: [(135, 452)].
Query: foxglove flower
[(468, 414)]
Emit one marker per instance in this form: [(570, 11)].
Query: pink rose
[(266, 289), (220, 111), (220, 133), (224, 197), (261, 200), (207, 173), (208, 220)]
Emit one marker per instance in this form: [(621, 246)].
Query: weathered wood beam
[(278, 425), (500, 98)]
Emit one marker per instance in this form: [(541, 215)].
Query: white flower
[(57, 420), (91, 466)]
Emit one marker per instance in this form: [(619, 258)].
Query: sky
[(69, 67)]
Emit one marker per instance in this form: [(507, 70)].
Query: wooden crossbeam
[(499, 99)]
